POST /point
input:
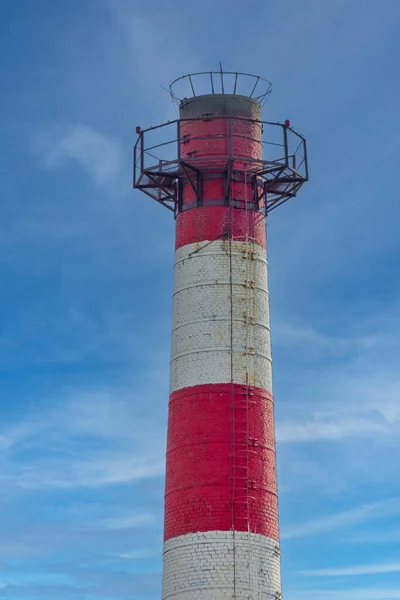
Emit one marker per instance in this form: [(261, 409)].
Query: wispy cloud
[(94, 439), (335, 521), (101, 469), (354, 571), (381, 536), (370, 593), (331, 427), (356, 397), (136, 554), (85, 258), (287, 333), (154, 56), (128, 521), (98, 154)]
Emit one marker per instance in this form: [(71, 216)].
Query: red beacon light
[(287, 123), (138, 130)]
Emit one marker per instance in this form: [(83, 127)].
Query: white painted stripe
[(203, 566), (201, 336)]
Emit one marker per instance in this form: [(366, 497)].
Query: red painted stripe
[(214, 222), (220, 139), (208, 145), (221, 477)]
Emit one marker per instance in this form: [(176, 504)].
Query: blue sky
[(86, 279)]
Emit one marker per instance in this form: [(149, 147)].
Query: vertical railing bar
[(141, 152), (236, 78), (286, 145), (255, 85), (191, 85)]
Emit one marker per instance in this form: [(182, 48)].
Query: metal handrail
[(223, 79)]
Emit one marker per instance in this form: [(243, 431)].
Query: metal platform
[(161, 173)]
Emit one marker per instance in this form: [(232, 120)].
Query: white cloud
[(348, 517), (136, 554), (357, 398), (80, 421), (99, 155), (101, 469), (377, 537), (94, 439), (127, 521), (369, 593), (330, 427), (286, 333), (375, 569)]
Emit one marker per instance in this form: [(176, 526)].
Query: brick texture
[(221, 506), (203, 566), (209, 145), (221, 469), (213, 222), (203, 349)]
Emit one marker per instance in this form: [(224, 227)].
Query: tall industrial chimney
[(220, 169)]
